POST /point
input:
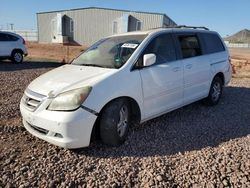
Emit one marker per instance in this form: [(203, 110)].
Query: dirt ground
[(240, 53), (56, 52), (240, 62)]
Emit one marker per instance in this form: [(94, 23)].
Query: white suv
[(12, 46), (131, 77)]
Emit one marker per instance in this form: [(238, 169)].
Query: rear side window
[(190, 46), (213, 43), (7, 37), (163, 47), (12, 38)]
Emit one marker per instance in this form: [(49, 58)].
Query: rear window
[(190, 46), (213, 43)]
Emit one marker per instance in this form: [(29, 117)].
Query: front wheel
[(215, 91), (17, 57), (114, 122)]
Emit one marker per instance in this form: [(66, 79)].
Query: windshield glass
[(110, 52)]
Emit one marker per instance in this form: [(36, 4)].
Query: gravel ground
[(195, 146)]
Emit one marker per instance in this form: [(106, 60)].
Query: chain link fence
[(28, 35), (237, 45)]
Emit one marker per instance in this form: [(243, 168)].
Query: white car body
[(7, 46), (156, 89)]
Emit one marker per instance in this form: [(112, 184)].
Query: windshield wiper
[(92, 65)]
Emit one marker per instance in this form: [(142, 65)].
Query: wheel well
[(17, 50), (136, 116), (221, 76)]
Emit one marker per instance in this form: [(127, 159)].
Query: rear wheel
[(114, 122), (215, 91), (17, 56)]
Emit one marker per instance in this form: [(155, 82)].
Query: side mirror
[(149, 59)]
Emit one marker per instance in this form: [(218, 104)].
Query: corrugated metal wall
[(168, 22), (92, 24), (44, 24)]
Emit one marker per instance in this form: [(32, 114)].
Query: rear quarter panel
[(219, 62)]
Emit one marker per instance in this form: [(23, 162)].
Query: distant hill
[(242, 36)]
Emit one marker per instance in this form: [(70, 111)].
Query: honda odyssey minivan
[(122, 79)]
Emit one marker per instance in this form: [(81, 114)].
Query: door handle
[(189, 66), (176, 69)]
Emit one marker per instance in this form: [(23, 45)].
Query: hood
[(68, 77)]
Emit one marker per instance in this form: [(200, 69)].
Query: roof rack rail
[(183, 26), (191, 27)]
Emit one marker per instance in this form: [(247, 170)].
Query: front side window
[(111, 52), (190, 46), (2, 37), (163, 47)]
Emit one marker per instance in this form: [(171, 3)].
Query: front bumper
[(64, 129)]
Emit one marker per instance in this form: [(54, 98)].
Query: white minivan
[(123, 79)]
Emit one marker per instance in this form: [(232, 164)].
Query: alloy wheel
[(123, 121)]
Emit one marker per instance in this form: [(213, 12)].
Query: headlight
[(69, 100)]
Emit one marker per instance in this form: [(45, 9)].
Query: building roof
[(123, 10), (101, 9)]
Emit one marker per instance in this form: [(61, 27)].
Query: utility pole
[(11, 26)]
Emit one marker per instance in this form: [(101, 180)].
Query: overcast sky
[(224, 16)]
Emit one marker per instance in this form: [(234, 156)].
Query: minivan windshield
[(110, 52)]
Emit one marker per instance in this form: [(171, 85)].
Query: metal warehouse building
[(86, 25)]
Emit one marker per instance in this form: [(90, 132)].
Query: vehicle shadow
[(190, 128), (9, 66)]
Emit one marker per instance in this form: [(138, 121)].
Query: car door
[(196, 68), (162, 83), (2, 43), (6, 44)]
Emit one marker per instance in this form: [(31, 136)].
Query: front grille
[(39, 129), (32, 100), (30, 103)]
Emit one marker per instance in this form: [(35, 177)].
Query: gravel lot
[(195, 146)]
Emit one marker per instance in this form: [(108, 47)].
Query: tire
[(114, 122), (215, 92), (17, 56)]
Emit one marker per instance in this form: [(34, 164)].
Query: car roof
[(10, 33)]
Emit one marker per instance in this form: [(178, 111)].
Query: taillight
[(229, 60), (24, 42)]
